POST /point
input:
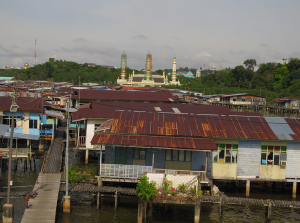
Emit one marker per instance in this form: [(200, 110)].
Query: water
[(127, 209), (19, 178)]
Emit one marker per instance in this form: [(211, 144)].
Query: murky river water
[(127, 209)]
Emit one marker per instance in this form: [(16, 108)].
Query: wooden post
[(86, 156), (34, 164), (221, 207), (247, 188), (116, 199), (197, 211), (294, 188), (98, 200), (268, 210)]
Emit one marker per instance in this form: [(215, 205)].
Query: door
[(121, 155)]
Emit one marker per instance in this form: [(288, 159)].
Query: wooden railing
[(82, 141), (135, 171), (124, 171)]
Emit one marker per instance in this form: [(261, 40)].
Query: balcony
[(131, 173)]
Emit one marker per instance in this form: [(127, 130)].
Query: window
[(226, 153), (97, 125), (234, 99), (178, 155), (272, 155), (7, 120), (243, 99), (139, 153), (33, 124)]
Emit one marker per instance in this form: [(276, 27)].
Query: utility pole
[(67, 198), (8, 209), (41, 146)]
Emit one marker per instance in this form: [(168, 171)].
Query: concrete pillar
[(100, 183), (66, 204), (87, 156), (247, 188), (197, 212), (140, 211), (294, 189), (8, 213)]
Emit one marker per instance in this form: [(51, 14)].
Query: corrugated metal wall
[(249, 156), (208, 173), (109, 155), (129, 156), (149, 154), (198, 160), (293, 160), (159, 160)]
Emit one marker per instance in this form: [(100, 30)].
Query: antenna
[(34, 60)]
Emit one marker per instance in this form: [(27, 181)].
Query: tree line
[(267, 79)]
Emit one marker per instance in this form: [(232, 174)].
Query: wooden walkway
[(42, 208)]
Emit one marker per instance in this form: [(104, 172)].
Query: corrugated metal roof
[(107, 109), (53, 113), (3, 129), (4, 133), (22, 136), (123, 95), (280, 127), (295, 126), (211, 126), (285, 99), (154, 141), (24, 103)]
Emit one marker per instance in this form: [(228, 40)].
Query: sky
[(199, 33)]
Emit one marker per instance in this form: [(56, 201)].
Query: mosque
[(147, 77)]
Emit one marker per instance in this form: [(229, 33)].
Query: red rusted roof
[(109, 95), (24, 103), (285, 99), (155, 141), (208, 126), (295, 126)]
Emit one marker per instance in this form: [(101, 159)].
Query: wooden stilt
[(221, 207), (294, 189), (116, 199), (268, 210), (98, 200), (247, 188), (86, 156), (34, 165)]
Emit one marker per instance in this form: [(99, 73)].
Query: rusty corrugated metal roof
[(24, 103), (154, 141), (295, 126), (209, 126)]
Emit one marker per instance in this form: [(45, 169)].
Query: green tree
[(250, 64), (145, 189)]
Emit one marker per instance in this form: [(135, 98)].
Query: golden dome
[(26, 65)]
